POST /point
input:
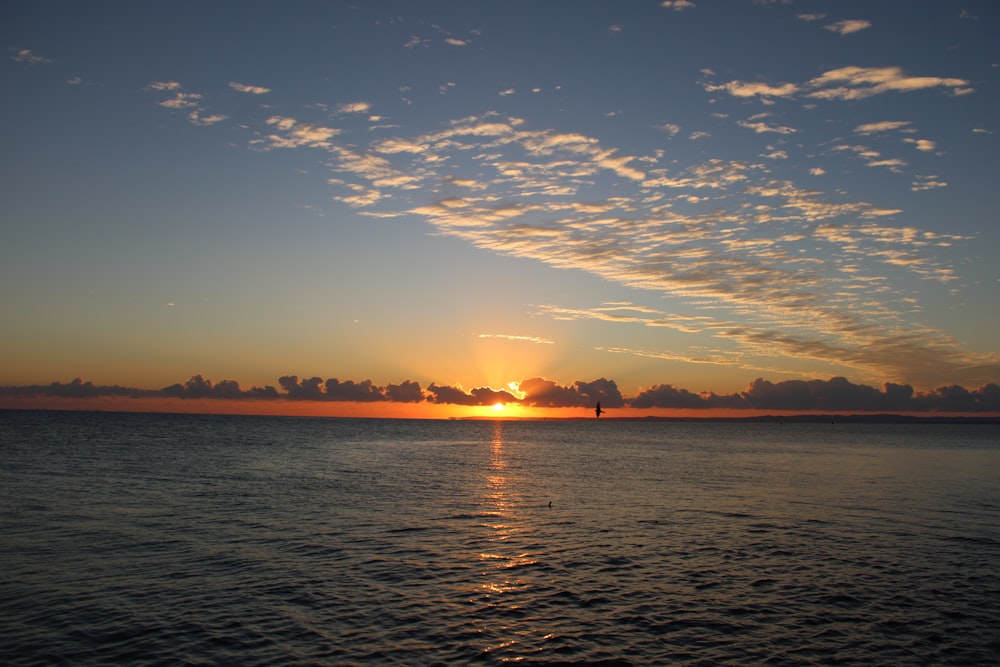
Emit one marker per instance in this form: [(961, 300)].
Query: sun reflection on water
[(502, 581)]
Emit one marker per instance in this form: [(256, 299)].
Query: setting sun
[(498, 407)]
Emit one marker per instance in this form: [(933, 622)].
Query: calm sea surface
[(168, 539)]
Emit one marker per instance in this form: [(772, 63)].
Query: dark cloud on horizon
[(314, 389), (477, 396), (198, 387), (77, 389), (542, 393), (834, 395)]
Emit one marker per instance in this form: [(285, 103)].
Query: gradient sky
[(471, 194)]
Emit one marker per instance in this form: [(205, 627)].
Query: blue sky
[(473, 194)]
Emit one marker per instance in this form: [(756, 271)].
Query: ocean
[(146, 539)]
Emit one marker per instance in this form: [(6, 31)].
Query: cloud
[(761, 128), (628, 314), (810, 17), (405, 392), (794, 266), (924, 145), (164, 85), (893, 164), (477, 396), (872, 157), (542, 393), (750, 89), (199, 387), (26, 56), (849, 26), (415, 41), (677, 5), (253, 90), (524, 339), (198, 118), (836, 395), (882, 126), (310, 389), (181, 100), (827, 396), (294, 134), (335, 390), (366, 392), (923, 183), (844, 83), (853, 83), (454, 41), (76, 388), (668, 396), (354, 107)]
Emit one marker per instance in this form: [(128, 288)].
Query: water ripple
[(167, 539)]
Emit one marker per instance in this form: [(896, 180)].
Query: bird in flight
[(597, 410)]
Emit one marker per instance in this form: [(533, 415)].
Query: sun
[(498, 407)]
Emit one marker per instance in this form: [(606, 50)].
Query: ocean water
[(169, 539)]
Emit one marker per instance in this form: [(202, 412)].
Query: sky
[(434, 208)]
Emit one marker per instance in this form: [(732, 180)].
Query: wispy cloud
[(924, 183), (794, 267), (670, 128), (630, 314), (180, 100), (677, 5), (925, 145), (872, 157), (293, 134), (253, 90), (852, 83), (354, 107), (26, 56), (203, 119), (848, 26), (519, 339), (881, 126), (761, 127), (844, 83), (415, 41)]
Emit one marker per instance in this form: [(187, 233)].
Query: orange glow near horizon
[(391, 410)]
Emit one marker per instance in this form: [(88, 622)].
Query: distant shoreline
[(771, 419)]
